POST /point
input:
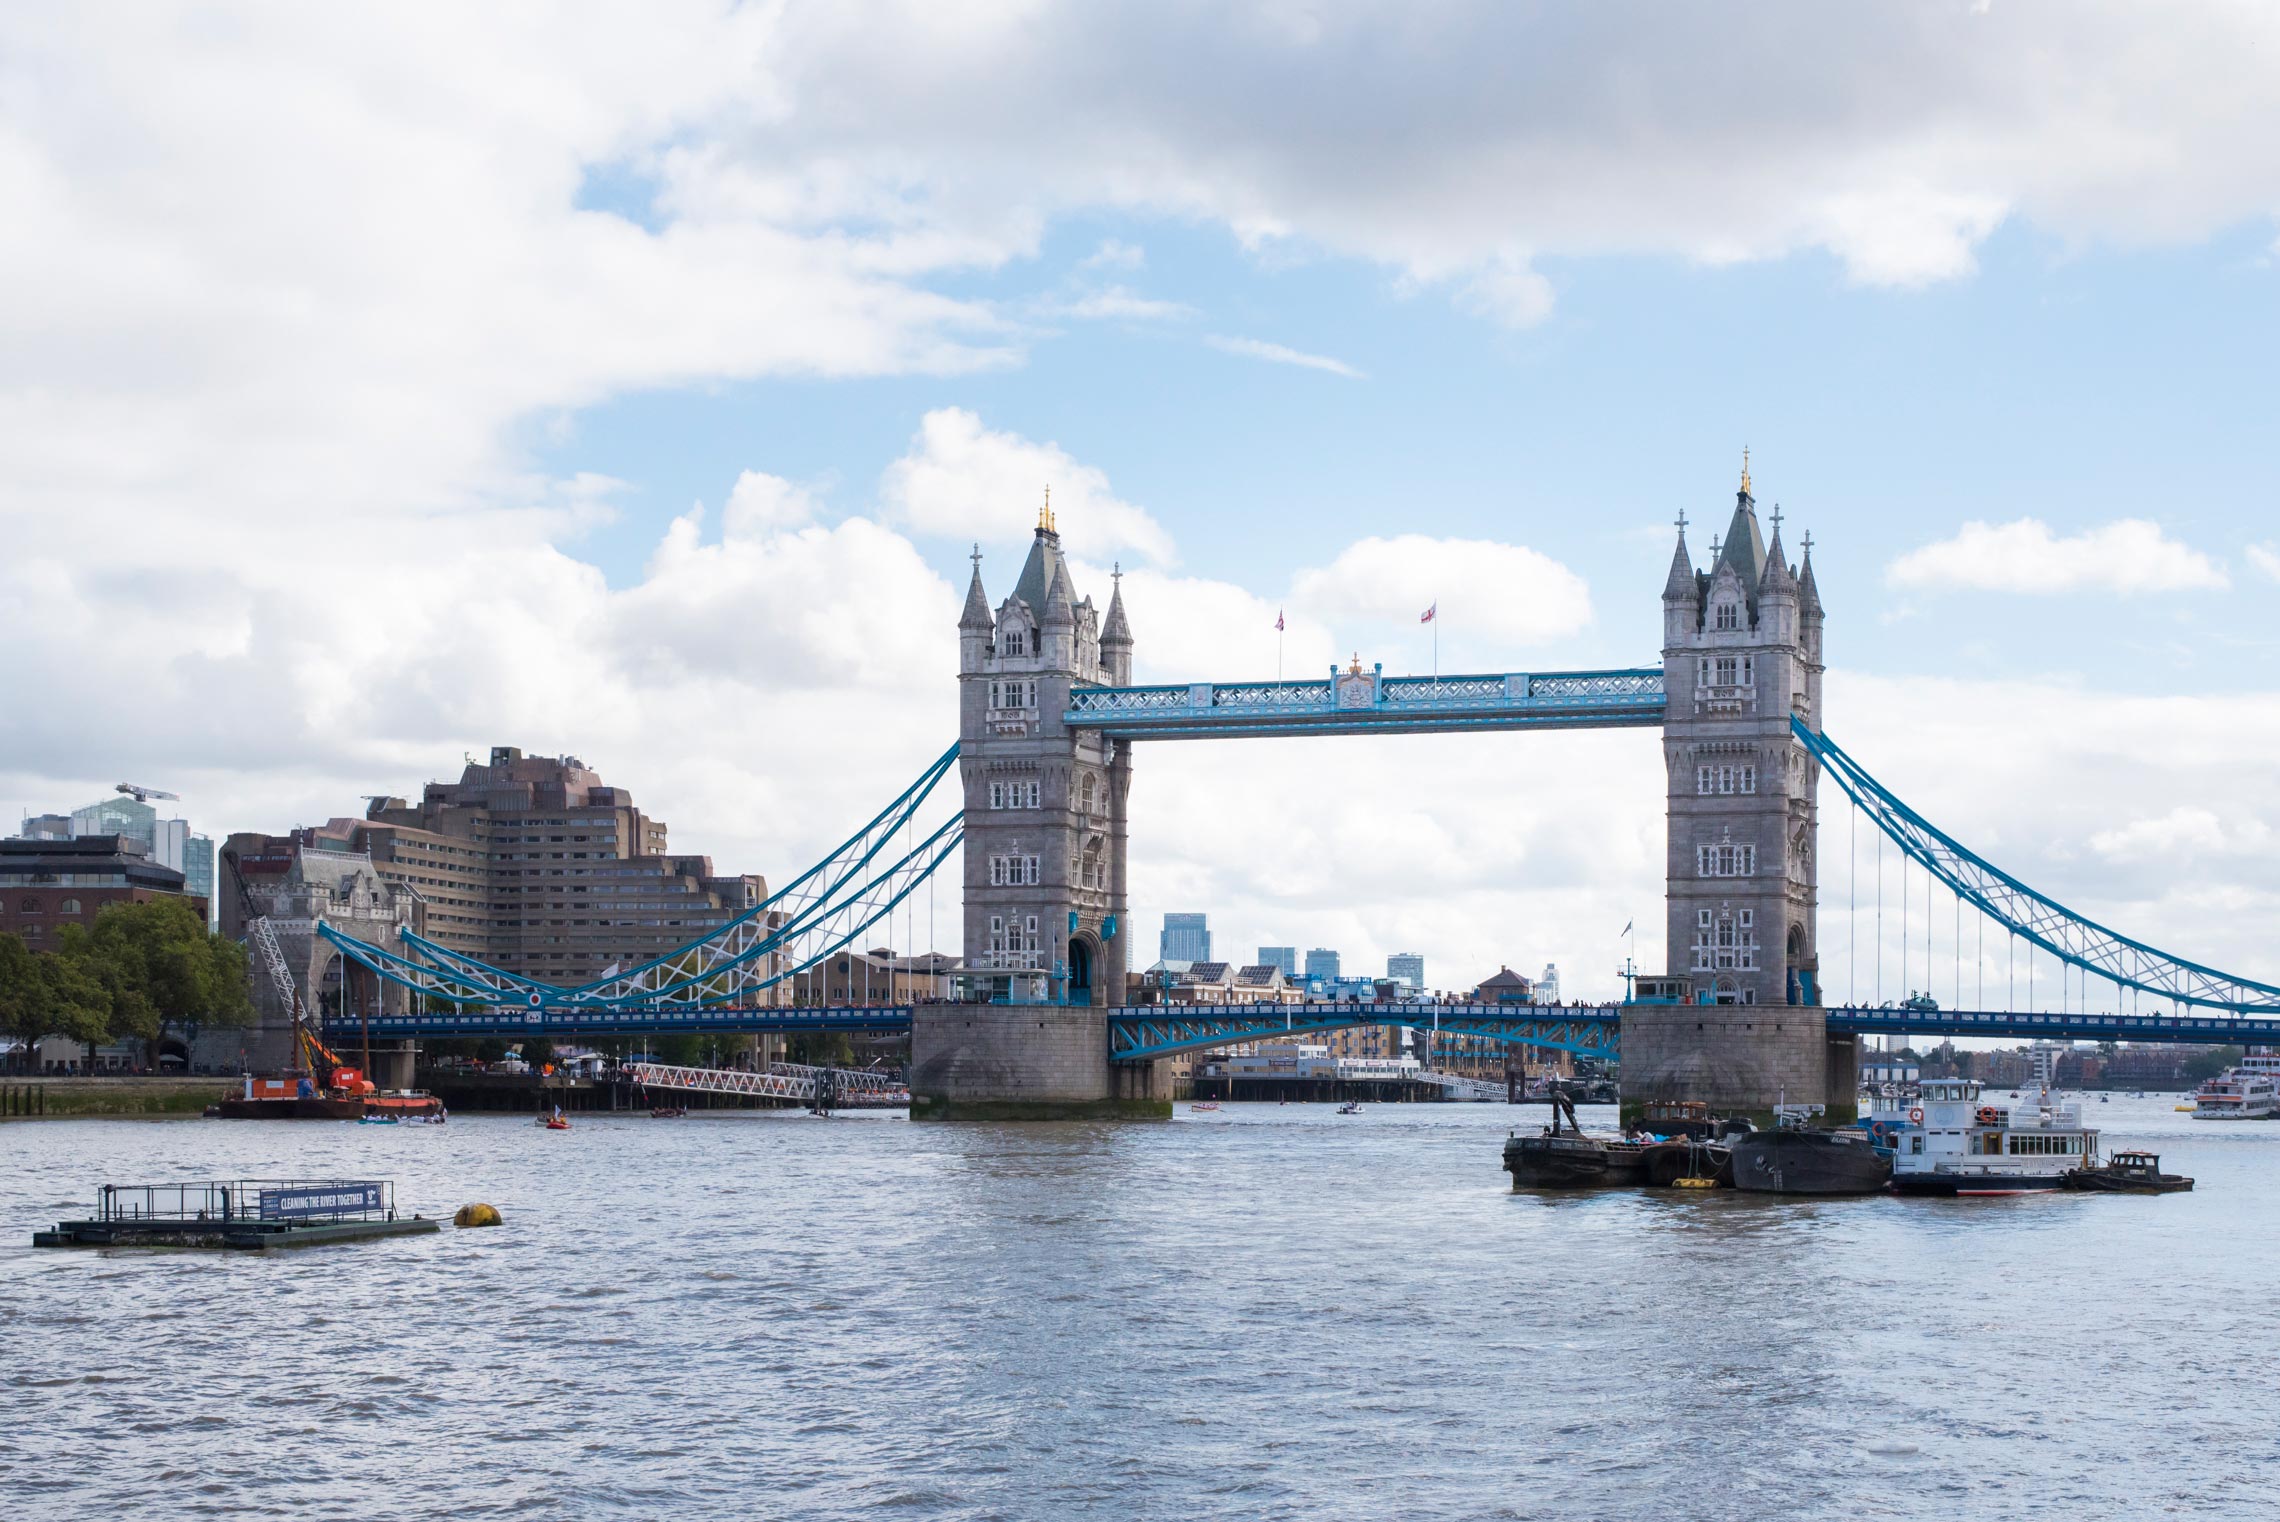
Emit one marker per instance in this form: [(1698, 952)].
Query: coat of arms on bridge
[(1356, 688)]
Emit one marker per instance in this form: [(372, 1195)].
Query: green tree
[(2210, 1063), (44, 994), (158, 964)]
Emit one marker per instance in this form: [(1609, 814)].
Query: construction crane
[(309, 1049), (145, 794)]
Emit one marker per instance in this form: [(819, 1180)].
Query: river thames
[(1271, 1312)]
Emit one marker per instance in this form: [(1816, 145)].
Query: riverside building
[(533, 864)]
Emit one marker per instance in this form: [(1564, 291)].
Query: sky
[(379, 386)]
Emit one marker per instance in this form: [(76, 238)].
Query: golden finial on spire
[(1745, 470), (1045, 514)]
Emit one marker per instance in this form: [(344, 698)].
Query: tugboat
[(1951, 1142), (1570, 1159), (2128, 1173), (1792, 1159)]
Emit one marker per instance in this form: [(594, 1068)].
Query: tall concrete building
[(1284, 957), (1406, 967), (1741, 653), (1186, 938), (1045, 804), (530, 863)]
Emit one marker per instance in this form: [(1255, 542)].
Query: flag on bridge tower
[(1278, 621), (1626, 930), (1426, 617)]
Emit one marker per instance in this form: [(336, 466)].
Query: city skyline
[(2018, 399)]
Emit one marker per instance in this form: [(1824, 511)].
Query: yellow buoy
[(1696, 1183), (476, 1215)]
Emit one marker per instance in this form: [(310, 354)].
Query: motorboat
[(1951, 1141), (1350, 1107), (1204, 1105), (2127, 1173)]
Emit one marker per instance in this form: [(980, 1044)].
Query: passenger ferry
[(2250, 1091), (1950, 1141)]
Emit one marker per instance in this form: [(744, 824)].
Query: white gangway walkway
[(850, 1087)]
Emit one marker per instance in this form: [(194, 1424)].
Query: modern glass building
[(1322, 965), (1406, 967), (1186, 938), (1285, 957)]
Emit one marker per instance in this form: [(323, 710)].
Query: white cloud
[(1278, 354), (1114, 254), (2265, 558), (2130, 555), (961, 480), (759, 503), (1116, 303), (2185, 831), (1487, 592), (1508, 292)]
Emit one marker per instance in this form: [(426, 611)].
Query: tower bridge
[(1049, 726)]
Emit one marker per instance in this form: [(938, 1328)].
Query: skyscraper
[(1406, 967), (1322, 963), (1186, 938), (1285, 957)]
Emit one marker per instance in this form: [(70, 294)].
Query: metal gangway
[(841, 1088), (1458, 1087)]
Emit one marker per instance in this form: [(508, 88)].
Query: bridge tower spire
[(1045, 804), (1741, 653)]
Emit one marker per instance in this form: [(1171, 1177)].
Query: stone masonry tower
[(1741, 653), (1045, 804)]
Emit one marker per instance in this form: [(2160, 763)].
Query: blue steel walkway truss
[(1356, 702)]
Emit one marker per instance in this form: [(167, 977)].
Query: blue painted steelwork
[(2190, 1030), (558, 1021), (2044, 921), (1369, 702), (822, 912), (1144, 1033)]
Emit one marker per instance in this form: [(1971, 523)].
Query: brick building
[(47, 884)]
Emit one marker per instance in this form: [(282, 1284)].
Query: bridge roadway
[(1142, 1033)]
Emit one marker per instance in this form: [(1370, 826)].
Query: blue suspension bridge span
[(1031, 800)]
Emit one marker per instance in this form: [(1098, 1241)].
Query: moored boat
[(1793, 1160), (1568, 1159), (2126, 1173), (1951, 1141)]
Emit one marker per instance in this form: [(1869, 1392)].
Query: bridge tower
[(1741, 653), (1045, 908)]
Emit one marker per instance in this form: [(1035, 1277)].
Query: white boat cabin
[(1948, 1128)]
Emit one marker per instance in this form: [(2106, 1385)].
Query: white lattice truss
[(846, 1088)]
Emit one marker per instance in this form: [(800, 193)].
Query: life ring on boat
[(1986, 1115), (1916, 1115)]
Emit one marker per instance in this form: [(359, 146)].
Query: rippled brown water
[(1271, 1312)]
